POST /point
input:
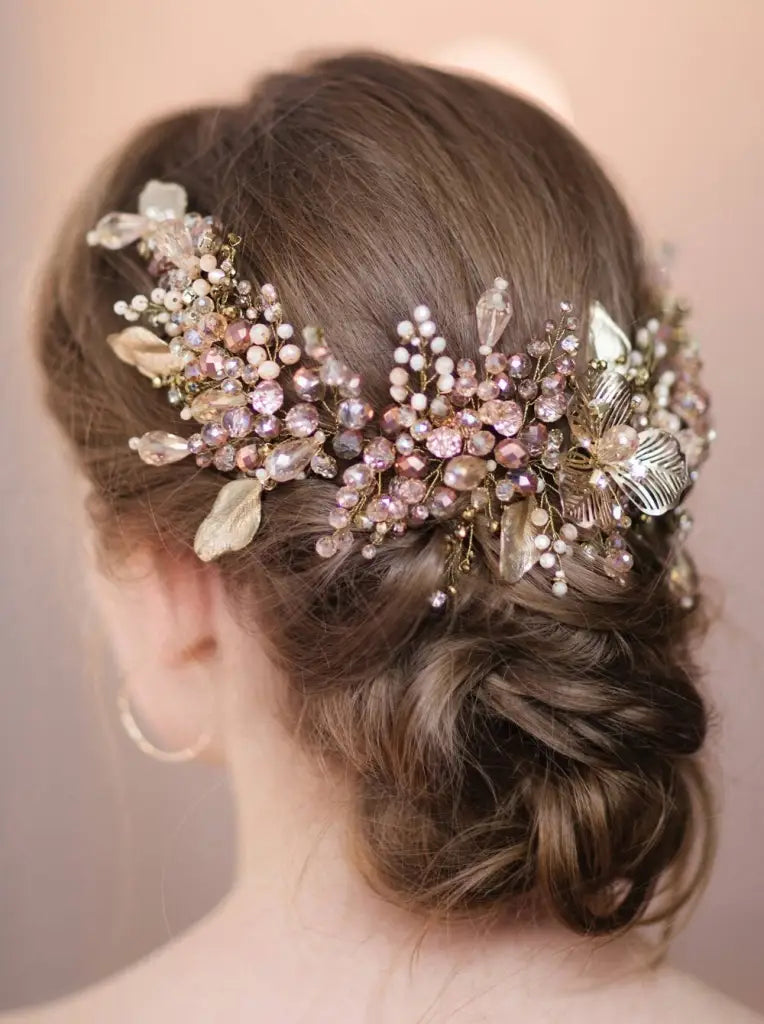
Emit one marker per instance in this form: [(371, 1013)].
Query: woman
[(419, 580)]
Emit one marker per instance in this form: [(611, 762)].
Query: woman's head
[(519, 747)]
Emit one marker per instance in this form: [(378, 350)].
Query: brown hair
[(519, 746)]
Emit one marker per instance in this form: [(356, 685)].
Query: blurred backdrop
[(103, 855)]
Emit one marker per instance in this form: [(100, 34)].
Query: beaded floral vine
[(558, 448)]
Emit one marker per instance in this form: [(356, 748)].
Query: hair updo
[(518, 746)]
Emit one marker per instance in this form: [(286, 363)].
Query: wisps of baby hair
[(565, 449)]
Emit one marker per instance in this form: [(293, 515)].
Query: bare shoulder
[(670, 995)]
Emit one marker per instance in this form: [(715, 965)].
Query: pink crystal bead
[(527, 389), (224, 458), (359, 476), (505, 416), (248, 458), (214, 324), (618, 444), (493, 312), (324, 465), (379, 454), (495, 362), (534, 438), (519, 365), (480, 443), (468, 421), (464, 472), (538, 348), (268, 427), (307, 384), (236, 336), (549, 408), (267, 397), (442, 501), (213, 362), (348, 444), (238, 422), (566, 365), (487, 390), (412, 466), (412, 491), (524, 482), (347, 497), (354, 413), (214, 434), (211, 404), (418, 514), (511, 454), (552, 383), (444, 442), (302, 419)]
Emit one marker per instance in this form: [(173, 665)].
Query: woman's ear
[(160, 612)]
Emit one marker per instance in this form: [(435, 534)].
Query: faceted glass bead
[(420, 429), (480, 443), (495, 362), (334, 372), (418, 514), (505, 384), (302, 419), (466, 368), (552, 383), (566, 365), (538, 348), (339, 518), (224, 458), (442, 501), (505, 416), (412, 466), (359, 476), (324, 465), (268, 427), (444, 442), (171, 241), (348, 444), (493, 312), (307, 384), (412, 490), (354, 413), (194, 339), (214, 434), (248, 458), (505, 491), (465, 387), (524, 482), (527, 389), (518, 365), (289, 459), (212, 363), (379, 454), (315, 346), (405, 444), (511, 454), (236, 336), (158, 448), (326, 547), (549, 408), (214, 324), (347, 497), (487, 390), (618, 444), (210, 405), (468, 421), (238, 422), (464, 472), (267, 397)]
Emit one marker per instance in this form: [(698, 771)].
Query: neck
[(297, 880)]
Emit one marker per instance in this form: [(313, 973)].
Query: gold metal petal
[(583, 504), (603, 402), (233, 521), (656, 478), (148, 353), (518, 554)]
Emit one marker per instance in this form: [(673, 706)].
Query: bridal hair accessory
[(562, 449)]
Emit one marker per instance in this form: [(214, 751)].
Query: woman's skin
[(302, 937)]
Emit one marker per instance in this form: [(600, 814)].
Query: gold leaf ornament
[(149, 354), (518, 552), (607, 341), (233, 520)]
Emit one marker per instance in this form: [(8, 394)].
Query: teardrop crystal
[(158, 448), (117, 230), (493, 311), (291, 458), (210, 405)]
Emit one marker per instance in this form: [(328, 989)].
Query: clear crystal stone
[(210, 405), (158, 448), (162, 200), (289, 459), (493, 312), (117, 230)]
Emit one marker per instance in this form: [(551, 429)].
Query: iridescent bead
[(618, 444), (348, 444), (339, 518), (236, 337), (405, 444), (212, 363), (487, 390), (334, 372), (549, 408), (359, 476), (290, 459), (495, 362), (464, 472), (418, 514), (505, 416), (466, 368), (505, 384), (326, 547), (267, 397), (410, 466), (524, 482), (225, 458), (158, 448), (194, 339), (468, 421), (566, 365), (552, 383), (412, 490), (248, 458), (233, 367), (538, 348), (302, 419), (238, 422), (420, 429), (444, 442), (519, 365), (354, 413), (307, 384), (481, 443), (442, 501), (347, 497), (465, 387), (214, 434), (511, 454), (214, 324), (268, 427), (379, 454), (527, 389)]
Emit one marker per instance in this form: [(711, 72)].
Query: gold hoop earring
[(133, 730)]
